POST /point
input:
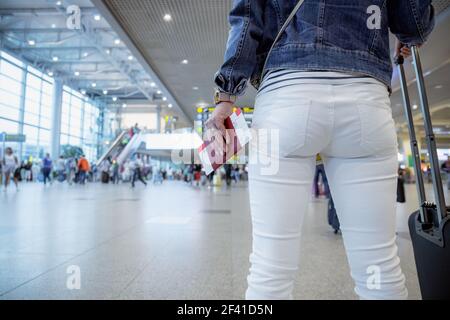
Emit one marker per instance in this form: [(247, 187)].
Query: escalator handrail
[(114, 144)]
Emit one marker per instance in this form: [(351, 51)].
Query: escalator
[(116, 147), (122, 148), (130, 148)]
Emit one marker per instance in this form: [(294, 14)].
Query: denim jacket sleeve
[(247, 29), (411, 20)]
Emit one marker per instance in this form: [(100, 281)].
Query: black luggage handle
[(431, 142)]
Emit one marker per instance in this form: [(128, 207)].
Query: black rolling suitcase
[(430, 225), (105, 177)]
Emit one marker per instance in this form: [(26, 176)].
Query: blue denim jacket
[(330, 35)]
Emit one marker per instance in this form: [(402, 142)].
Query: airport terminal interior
[(92, 89)]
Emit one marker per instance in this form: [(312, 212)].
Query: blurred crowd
[(137, 169)]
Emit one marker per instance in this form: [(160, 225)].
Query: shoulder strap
[(283, 28)]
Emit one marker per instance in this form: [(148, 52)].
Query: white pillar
[(158, 119), (56, 119)]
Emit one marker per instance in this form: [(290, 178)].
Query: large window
[(26, 98), (11, 84), (37, 113), (79, 126)]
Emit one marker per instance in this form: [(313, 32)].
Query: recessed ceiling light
[(108, 51), (164, 99), (170, 105), (415, 107), (152, 84), (185, 61), (53, 26), (50, 73), (77, 73), (83, 92), (117, 41), (124, 105), (439, 86), (85, 54), (105, 92), (55, 58), (130, 58), (58, 3), (158, 92), (167, 17), (97, 17), (93, 85), (114, 99), (31, 42), (194, 88)]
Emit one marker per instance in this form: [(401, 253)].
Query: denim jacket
[(327, 35)]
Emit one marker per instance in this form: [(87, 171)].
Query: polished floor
[(161, 242)]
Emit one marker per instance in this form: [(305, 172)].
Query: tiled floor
[(160, 242)]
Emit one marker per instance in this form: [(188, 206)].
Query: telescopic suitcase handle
[(430, 137)]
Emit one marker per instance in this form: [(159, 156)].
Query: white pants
[(351, 126)]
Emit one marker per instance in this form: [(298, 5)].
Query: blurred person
[(320, 172), (325, 89), (35, 169), (211, 178), (47, 166), (28, 170), (446, 168), (228, 173), (170, 173), (401, 196), (104, 169), (71, 168), (136, 129), (61, 168), (137, 166), (83, 169), (9, 165), (115, 172)]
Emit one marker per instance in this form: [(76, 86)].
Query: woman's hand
[(217, 120), (402, 49)]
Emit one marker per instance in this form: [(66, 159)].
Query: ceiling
[(198, 33), (91, 59)]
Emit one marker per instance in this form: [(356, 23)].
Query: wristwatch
[(223, 97)]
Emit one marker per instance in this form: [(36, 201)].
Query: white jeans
[(351, 126)]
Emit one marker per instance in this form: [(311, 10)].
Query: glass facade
[(26, 98), (79, 123)]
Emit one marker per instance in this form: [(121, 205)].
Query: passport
[(215, 152)]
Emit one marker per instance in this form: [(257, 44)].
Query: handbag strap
[(283, 28)]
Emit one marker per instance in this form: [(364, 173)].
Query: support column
[(55, 139), (158, 119), (22, 112)]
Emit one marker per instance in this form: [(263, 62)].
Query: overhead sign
[(4, 137)]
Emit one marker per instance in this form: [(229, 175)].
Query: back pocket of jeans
[(378, 135), (293, 127)]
